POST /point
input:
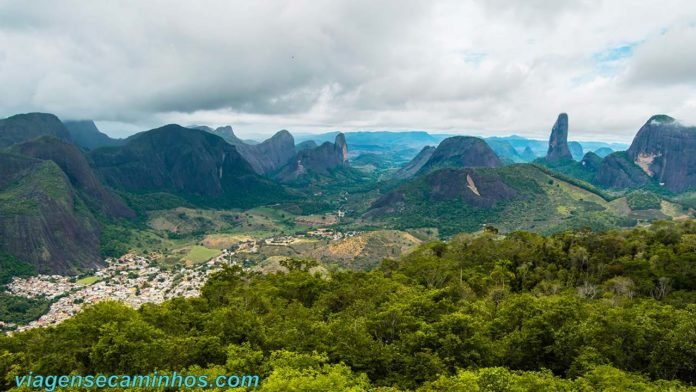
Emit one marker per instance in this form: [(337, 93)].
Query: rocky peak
[(558, 143), (665, 150), (341, 144)]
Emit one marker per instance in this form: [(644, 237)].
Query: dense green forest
[(576, 311)]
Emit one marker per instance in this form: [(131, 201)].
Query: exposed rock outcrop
[(558, 142), (618, 171), (665, 150)]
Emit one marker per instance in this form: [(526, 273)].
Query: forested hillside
[(578, 310)]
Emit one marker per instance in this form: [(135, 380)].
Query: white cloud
[(481, 67)]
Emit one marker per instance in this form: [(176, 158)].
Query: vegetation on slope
[(522, 196), (578, 310)]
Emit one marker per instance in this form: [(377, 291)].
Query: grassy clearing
[(88, 280), (200, 254), (223, 241)]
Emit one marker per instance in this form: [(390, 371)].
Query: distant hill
[(539, 148), (22, 127), (271, 154), (603, 151), (386, 139), (395, 148), (505, 151), (85, 134), (576, 150), (321, 160), (194, 164), (305, 145), (411, 168)]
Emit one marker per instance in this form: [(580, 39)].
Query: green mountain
[(51, 204), (43, 220), (194, 164), (22, 127), (516, 197), (75, 166)]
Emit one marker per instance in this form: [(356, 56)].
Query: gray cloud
[(669, 58), (457, 66)]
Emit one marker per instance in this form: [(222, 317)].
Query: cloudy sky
[(491, 67)]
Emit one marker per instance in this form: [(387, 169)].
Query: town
[(136, 280), (131, 279)]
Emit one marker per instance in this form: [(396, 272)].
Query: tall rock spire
[(558, 143)]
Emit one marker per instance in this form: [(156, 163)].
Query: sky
[(483, 68)]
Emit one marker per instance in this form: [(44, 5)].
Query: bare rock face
[(665, 150), (617, 171), (558, 143), (340, 144)]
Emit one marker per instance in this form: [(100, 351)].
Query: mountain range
[(62, 182)]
